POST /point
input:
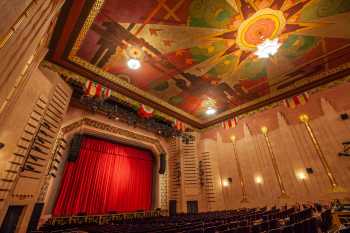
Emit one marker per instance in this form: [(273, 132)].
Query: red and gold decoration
[(94, 89), (179, 125), (294, 101), (145, 111), (230, 123)]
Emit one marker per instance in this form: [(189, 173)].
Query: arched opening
[(133, 141)]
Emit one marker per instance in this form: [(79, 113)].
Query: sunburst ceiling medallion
[(266, 24)]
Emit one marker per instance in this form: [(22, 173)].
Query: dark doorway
[(192, 207), (172, 207), (34, 220), (11, 219)]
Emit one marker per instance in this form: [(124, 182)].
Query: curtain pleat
[(106, 177)]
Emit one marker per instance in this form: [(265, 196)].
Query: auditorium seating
[(274, 220)]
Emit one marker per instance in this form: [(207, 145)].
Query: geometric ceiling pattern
[(197, 54)]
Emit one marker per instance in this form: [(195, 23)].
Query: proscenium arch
[(103, 130)]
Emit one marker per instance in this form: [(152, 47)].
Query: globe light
[(301, 175), (210, 111), (225, 183), (258, 179), (134, 64), (268, 48)]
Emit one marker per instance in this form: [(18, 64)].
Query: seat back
[(289, 229)]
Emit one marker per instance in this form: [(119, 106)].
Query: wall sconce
[(264, 130), (301, 175), (227, 182), (2, 145), (259, 180)]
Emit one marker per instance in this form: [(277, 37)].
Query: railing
[(68, 230), (102, 219), (341, 218)]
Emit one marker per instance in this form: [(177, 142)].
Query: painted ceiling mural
[(197, 54)]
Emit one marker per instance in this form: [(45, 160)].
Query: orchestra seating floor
[(274, 220)]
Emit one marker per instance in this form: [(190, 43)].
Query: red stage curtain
[(106, 177)]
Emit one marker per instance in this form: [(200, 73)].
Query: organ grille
[(207, 179), (174, 169), (190, 164), (164, 190), (43, 139), (56, 110), (36, 154), (58, 106), (24, 144)]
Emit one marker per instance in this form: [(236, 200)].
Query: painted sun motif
[(264, 24), (257, 25)]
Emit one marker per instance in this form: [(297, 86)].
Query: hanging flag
[(145, 111), (230, 123), (95, 89), (179, 125), (106, 92), (294, 101)]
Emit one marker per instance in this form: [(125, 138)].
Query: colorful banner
[(179, 125), (294, 101), (145, 111), (95, 89), (230, 123)]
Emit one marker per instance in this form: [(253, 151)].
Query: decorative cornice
[(284, 91), (312, 91), (111, 129), (121, 82), (87, 24), (82, 80)]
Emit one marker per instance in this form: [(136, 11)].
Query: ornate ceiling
[(197, 54)]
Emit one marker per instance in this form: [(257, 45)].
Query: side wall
[(26, 94), (291, 145), (29, 132)]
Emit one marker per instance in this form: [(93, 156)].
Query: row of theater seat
[(285, 220)]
